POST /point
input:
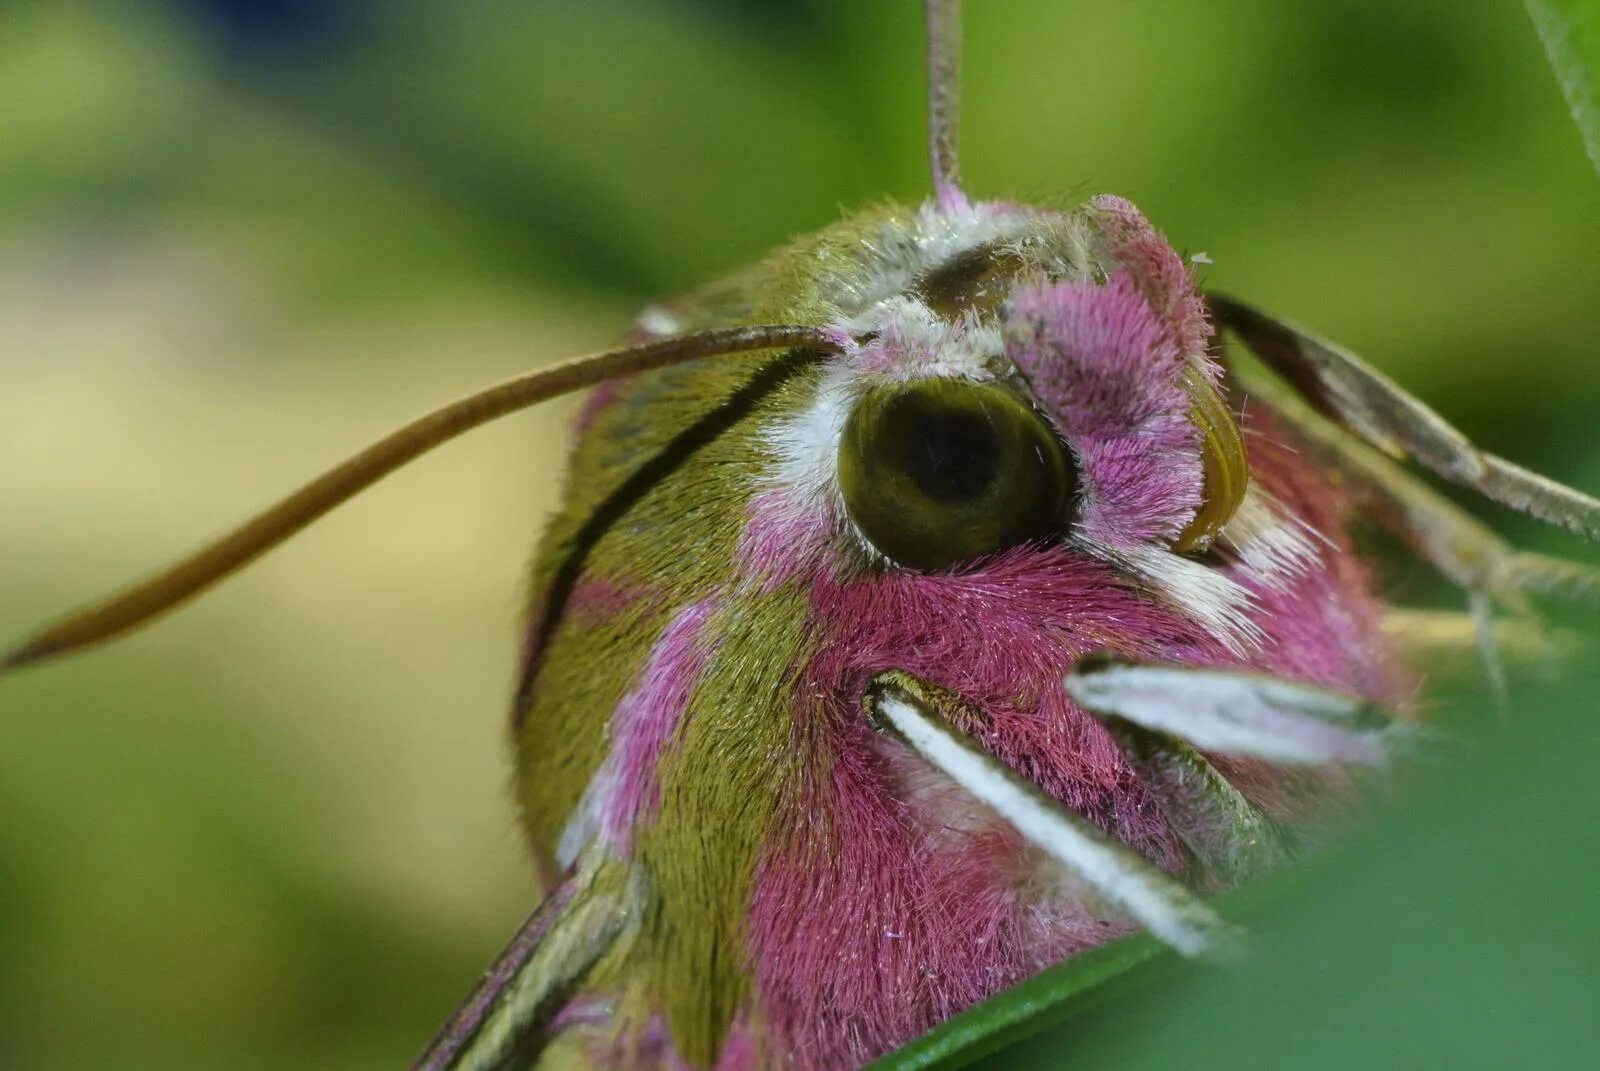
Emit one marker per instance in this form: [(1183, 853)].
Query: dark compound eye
[(938, 471)]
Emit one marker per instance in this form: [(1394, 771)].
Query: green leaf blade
[(1072, 987), (1570, 30), (1040, 1002)]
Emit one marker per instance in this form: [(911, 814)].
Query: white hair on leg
[(1240, 713), (1155, 899)]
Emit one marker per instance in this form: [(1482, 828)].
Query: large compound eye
[(938, 471)]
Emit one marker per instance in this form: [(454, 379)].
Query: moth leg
[(1233, 712), (925, 717), (1466, 551), (1448, 643), (1228, 836), (1374, 407), (503, 1023)]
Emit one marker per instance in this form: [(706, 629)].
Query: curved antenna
[(942, 19), (150, 598)]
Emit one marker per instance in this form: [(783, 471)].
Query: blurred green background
[(240, 239)]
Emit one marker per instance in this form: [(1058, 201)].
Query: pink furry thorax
[(1131, 242)]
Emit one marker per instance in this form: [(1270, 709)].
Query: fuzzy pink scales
[(644, 721), (889, 901), (1128, 240), (1105, 361), (1106, 367), (886, 900)]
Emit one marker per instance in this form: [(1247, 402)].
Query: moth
[(932, 601)]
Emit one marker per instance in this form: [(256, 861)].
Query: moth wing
[(1344, 387), (507, 1019)]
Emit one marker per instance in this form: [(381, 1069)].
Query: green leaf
[(1454, 928), (1571, 33), (1047, 998), (1057, 994)]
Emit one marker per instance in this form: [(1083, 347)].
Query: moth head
[(1017, 392)]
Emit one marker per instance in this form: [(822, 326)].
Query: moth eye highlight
[(939, 471), (1226, 472)]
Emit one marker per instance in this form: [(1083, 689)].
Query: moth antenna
[(182, 581), (942, 19)]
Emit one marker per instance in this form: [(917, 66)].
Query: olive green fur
[(718, 793), (663, 441), (584, 665), (655, 504), (588, 661), (700, 462), (734, 731)]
